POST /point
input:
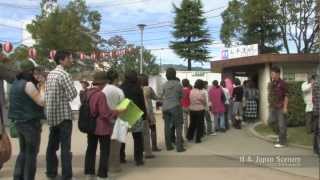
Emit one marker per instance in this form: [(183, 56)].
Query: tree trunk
[(189, 65)]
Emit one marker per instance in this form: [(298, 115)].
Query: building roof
[(218, 66)]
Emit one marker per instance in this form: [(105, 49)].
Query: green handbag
[(13, 130)]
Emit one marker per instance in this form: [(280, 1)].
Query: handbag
[(5, 148)]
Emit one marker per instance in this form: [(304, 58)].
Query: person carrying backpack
[(103, 116)]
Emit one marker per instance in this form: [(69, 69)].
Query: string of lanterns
[(7, 47)]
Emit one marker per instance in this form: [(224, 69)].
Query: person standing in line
[(185, 103), (104, 126), (208, 121), (150, 95), (227, 106), (251, 96), (133, 91), (144, 81), (306, 88), (85, 85), (114, 97), (237, 98), (172, 110), (26, 111), (198, 104), (60, 91), (217, 98), (278, 101)]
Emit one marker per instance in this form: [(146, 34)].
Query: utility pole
[(141, 27)]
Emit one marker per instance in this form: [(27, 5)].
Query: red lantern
[(82, 56), (7, 47), (123, 52), (32, 52), (93, 56), (52, 54), (114, 54)]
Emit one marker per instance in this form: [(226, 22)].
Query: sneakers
[(279, 146), (213, 134)]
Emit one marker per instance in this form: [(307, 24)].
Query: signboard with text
[(240, 51)]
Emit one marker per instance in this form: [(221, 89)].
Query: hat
[(26, 66), (100, 77)]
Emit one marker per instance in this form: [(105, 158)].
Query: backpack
[(86, 123)]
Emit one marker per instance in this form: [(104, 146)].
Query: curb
[(257, 135)]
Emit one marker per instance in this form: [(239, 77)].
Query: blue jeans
[(219, 121), (60, 134), (29, 134)]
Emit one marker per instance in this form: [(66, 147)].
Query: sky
[(120, 17)]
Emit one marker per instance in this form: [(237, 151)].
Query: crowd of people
[(189, 113)]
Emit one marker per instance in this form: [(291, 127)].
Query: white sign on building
[(240, 51)]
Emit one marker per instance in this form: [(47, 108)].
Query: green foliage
[(72, 28), (296, 106), (251, 22), (272, 24), (190, 31), (131, 61)]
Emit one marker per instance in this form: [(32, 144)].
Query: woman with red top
[(185, 103), (100, 109)]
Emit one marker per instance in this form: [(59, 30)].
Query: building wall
[(264, 79), (194, 75)]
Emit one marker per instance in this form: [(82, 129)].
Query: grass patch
[(296, 135)]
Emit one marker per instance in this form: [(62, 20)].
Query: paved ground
[(218, 157)]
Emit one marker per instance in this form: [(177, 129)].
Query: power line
[(118, 4), (19, 6)]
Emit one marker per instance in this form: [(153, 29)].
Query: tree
[(190, 32), (272, 24), (130, 60), (298, 23), (251, 22), (74, 28)]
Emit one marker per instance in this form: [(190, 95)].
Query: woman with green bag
[(26, 111)]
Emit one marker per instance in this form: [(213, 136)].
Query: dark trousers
[(279, 124), (310, 122), (173, 118), (138, 148), (196, 125), (154, 142), (90, 159), (60, 135), (29, 134)]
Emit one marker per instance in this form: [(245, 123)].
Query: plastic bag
[(120, 131)]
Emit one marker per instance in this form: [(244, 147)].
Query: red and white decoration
[(82, 56), (7, 47), (52, 54), (32, 52)]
